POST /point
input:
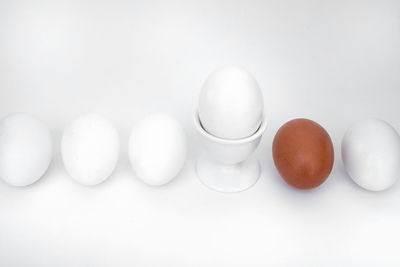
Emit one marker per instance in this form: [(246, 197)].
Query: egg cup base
[(228, 178)]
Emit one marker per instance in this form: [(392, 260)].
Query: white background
[(331, 61)]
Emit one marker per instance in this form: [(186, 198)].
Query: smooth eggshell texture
[(371, 154), (231, 103), (25, 149), (90, 149), (157, 149), (303, 153)]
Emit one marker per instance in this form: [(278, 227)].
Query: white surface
[(371, 154), (157, 149), (25, 149), (90, 149), (231, 103), (334, 62)]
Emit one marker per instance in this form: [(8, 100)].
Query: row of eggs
[(90, 149), (230, 108), (302, 151), (303, 154)]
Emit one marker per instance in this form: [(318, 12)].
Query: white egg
[(90, 149), (157, 149), (371, 154), (231, 103), (25, 149)]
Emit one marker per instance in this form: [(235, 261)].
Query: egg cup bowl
[(227, 165)]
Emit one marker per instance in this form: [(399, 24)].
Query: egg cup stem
[(228, 178)]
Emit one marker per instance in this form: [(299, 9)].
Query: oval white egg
[(157, 149), (231, 103), (371, 154), (90, 149), (25, 149)]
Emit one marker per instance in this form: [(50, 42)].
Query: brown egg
[(303, 153)]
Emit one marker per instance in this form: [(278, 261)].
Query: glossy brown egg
[(303, 153)]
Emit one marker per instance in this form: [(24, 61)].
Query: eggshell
[(157, 149), (90, 149), (303, 153), (231, 103), (371, 154), (25, 149)]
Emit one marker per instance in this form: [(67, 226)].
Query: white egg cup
[(227, 166)]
